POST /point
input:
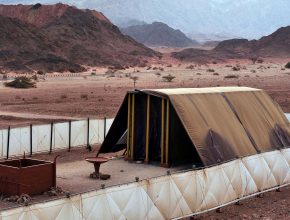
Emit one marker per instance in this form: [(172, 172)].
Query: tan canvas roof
[(180, 91), (228, 122)]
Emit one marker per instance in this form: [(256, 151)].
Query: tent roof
[(226, 122), (184, 91)]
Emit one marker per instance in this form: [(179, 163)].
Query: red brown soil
[(101, 95)]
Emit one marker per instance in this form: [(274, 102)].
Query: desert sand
[(63, 97)]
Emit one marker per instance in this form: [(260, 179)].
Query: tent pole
[(147, 129), (132, 131), (167, 133), (128, 126), (162, 131)]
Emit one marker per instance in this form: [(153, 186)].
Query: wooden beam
[(147, 129), (132, 126), (162, 132), (128, 126), (167, 133)]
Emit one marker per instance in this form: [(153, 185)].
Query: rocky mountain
[(242, 18), (276, 45), (158, 34), (61, 37)]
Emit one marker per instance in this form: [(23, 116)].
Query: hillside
[(231, 19), (158, 34), (275, 45), (60, 38)]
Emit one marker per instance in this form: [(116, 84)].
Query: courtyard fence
[(55, 136)]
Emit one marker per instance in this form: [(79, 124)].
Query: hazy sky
[(232, 18)]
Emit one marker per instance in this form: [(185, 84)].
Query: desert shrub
[(231, 76), (236, 68), (168, 78), (34, 77), (253, 71), (287, 65), (155, 68), (198, 74), (260, 60), (161, 68), (247, 76), (158, 74), (216, 74), (21, 82), (134, 78), (40, 72), (214, 62), (282, 68), (148, 68), (210, 70), (63, 96), (93, 74), (169, 65), (190, 67), (84, 96), (228, 66)]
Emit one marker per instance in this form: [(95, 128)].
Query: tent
[(201, 126)]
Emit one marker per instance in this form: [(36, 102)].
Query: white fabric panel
[(19, 141), (61, 135), (172, 196), (3, 143), (101, 130), (41, 138), (109, 122), (78, 133), (94, 131), (288, 116)]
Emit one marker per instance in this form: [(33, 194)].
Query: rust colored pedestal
[(97, 161), (28, 176)]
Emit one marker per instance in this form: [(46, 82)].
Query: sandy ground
[(61, 98), (101, 95)]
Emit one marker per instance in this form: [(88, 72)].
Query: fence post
[(51, 135), (69, 135), (8, 141), (31, 140), (88, 135), (105, 127)]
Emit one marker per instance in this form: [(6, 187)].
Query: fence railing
[(55, 136)]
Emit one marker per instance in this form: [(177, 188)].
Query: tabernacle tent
[(202, 126)]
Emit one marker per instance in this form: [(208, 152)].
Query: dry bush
[(287, 65), (190, 67), (93, 74), (63, 96), (236, 68), (216, 74), (253, 71), (21, 82), (199, 74), (210, 70), (231, 76), (169, 65), (84, 96), (168, 78)]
